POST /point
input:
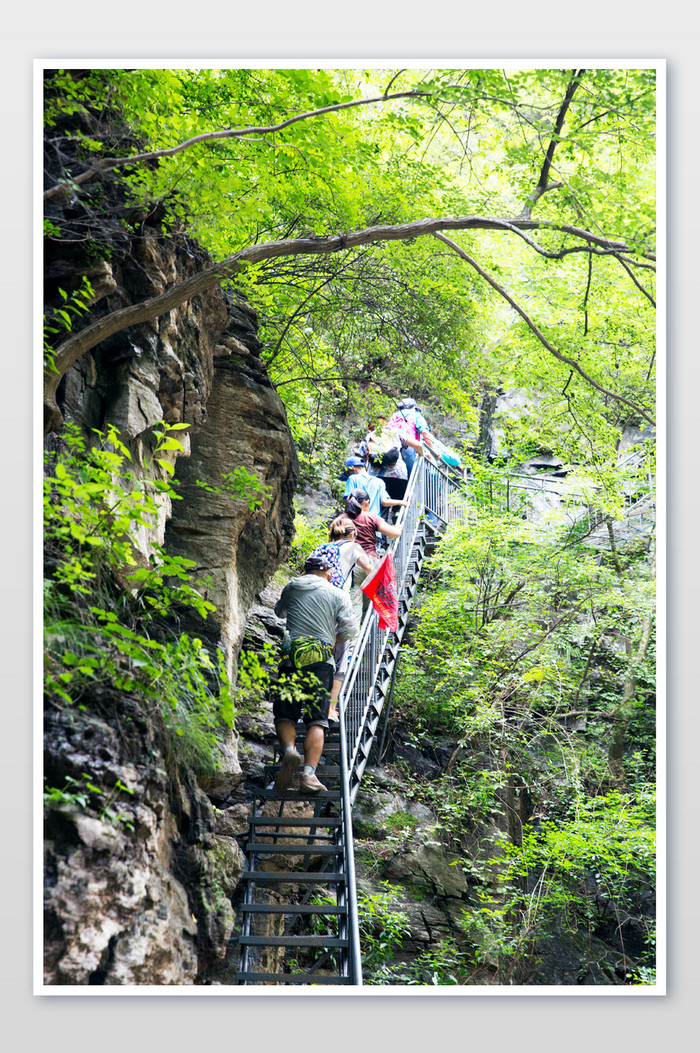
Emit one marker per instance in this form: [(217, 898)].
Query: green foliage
[(242, 485), (108, 609), (60, 320), (309, 533), (564, 874), (253, 677), (522, 632), (382, 928), (93, 507), (528, 648), (345, 331), (72, 793), (80, 793)]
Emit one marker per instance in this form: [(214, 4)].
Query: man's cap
[(317, 563), (353, 462), (406, 403)]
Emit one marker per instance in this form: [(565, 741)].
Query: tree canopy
[(327, 196)]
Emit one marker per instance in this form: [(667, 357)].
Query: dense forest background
[(453, 234)]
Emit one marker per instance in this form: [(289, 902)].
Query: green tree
[(313, 197)]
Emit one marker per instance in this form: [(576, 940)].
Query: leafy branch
[(77, 344), (572, 363), (110, 163)]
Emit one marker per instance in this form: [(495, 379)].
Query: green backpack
[(306, 650)]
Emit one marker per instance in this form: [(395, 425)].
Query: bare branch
[(300, 308), (573, 85), (550, 254), (543, 184), (639, 285), (397, 74)]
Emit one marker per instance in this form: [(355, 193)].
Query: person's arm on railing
[(388, 529)]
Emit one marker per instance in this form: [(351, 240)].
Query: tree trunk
[(623, 715)]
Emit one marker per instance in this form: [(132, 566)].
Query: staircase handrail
[(371, 642), (353, 922), (367, 637)]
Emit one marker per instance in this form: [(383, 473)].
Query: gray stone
[(134, 408), (232, 821), (229, 773), (428, 864)]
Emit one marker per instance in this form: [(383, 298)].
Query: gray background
[(317, 33)]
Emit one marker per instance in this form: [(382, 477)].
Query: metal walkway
[(299, 911)]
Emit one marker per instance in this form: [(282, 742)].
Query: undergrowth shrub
[(110, 611), (309, 533)]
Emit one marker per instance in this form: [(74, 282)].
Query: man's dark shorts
[(315, 682)]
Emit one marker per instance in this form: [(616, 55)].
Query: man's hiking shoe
[(311, 784), (290, 762)]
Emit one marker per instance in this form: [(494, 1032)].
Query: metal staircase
[(299, 911)]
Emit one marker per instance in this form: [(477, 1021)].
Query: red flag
[(380, 586)]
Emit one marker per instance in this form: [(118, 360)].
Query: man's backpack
[(331, 552), (385, 448)]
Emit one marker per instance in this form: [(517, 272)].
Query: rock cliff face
[(145, 899), (142, 900)]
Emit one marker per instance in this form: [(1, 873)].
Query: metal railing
[(434, 500)]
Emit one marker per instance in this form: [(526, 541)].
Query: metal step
[(294, 877), (294, 850), (293, 836), (294, 820), (331, 770), (293, 908), (292, 978), (293, 941), (297, 795)]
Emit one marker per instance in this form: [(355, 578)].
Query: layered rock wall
[(145, 898)]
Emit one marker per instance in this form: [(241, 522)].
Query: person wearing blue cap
[(360, 479)]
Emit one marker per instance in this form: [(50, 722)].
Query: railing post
[(353, 924)]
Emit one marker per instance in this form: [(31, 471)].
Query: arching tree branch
[(109, 163), (540, 336), (77, 344)]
